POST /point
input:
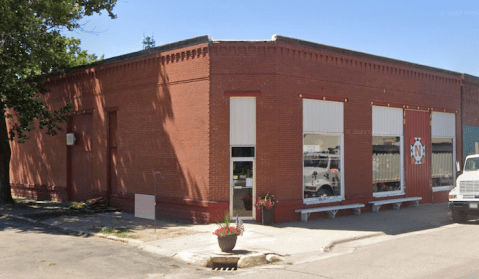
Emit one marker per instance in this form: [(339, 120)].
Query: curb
[(327, 248), (254, 259)]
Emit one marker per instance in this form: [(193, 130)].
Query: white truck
[(322, 175), (464, 198)]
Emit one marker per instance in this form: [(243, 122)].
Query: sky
[(441, 34)]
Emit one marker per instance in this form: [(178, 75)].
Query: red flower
[(267, 202), (224, 231)]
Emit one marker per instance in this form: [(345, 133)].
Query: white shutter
[(322, 116), (443, 125), (387, 121), (242, 121)]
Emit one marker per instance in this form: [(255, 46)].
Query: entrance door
[(242, 187), (417, 138), (80, 186)]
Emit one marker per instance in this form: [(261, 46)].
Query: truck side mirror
[(458, 166)]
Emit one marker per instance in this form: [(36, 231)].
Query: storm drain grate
[(224, 266)]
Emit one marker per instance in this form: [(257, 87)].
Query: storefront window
[(322, 166), (386, 163), (442, 162)]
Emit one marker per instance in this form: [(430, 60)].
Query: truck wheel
[(324, 193), (459, 216)]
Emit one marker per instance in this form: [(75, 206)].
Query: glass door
[(242, 185)]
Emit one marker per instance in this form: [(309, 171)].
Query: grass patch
[(77, 205), (52, 264), (119, 232)]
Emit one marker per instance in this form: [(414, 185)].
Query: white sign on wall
[(145, 206)]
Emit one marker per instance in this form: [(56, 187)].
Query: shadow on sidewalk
[(389, 221)]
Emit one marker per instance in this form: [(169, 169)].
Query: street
[(449, 251), (27, 251)]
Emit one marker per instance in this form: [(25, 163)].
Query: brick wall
[(173, 117), (470, 105), (163, 125), (283, 69)]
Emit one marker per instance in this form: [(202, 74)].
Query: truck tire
[(459, 216)]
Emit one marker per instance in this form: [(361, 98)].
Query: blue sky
[(442, 34)]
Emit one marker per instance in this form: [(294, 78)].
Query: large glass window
[(386, 163), (322, 166), (442, 162)]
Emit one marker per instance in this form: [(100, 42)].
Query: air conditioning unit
[(71, 139)]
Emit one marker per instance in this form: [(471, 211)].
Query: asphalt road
[(27, 251), (451, 251), (448, 251)]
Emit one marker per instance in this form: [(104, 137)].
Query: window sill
[(388, 194), (442, 188), (310, 201)]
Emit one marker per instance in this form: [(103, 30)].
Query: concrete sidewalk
[(285, 243)]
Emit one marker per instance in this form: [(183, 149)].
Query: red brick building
[(312, 124)]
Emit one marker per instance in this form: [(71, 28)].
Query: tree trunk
[(5, 154)]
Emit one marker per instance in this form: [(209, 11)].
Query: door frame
[(231, 190)]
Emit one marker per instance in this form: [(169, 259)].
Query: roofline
[(146, 52), (275, 39), (470, 78), (294, 41)]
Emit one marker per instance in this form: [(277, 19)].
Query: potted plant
[(266, 204), (227, 234), (248, 201)]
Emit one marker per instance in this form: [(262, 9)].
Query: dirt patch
[(120, 224)]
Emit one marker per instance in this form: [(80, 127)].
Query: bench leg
[(357, 211), (332, 214), (376, 208), (397, 205), (415, 203), (304, 217)]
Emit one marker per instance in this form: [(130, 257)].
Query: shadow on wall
[(149, 138)]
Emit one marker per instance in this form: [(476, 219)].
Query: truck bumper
[(469, 206)]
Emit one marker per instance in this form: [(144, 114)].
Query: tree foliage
[(32, 46)]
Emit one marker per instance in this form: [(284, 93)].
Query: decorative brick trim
[(108, 109), (395, 105), (83, 111), (324, 98), (444, 110), (386, 104), (242, 93)]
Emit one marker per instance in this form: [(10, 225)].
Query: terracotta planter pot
[(266, 216), (227, 242)]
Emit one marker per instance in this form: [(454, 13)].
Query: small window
[(242, 152)]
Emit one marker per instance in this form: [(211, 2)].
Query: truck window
[(334, 164), (472, 164)]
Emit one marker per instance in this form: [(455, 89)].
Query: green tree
[(33, 46)]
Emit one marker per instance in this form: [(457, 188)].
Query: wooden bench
[(395, 202), (332, 210)]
